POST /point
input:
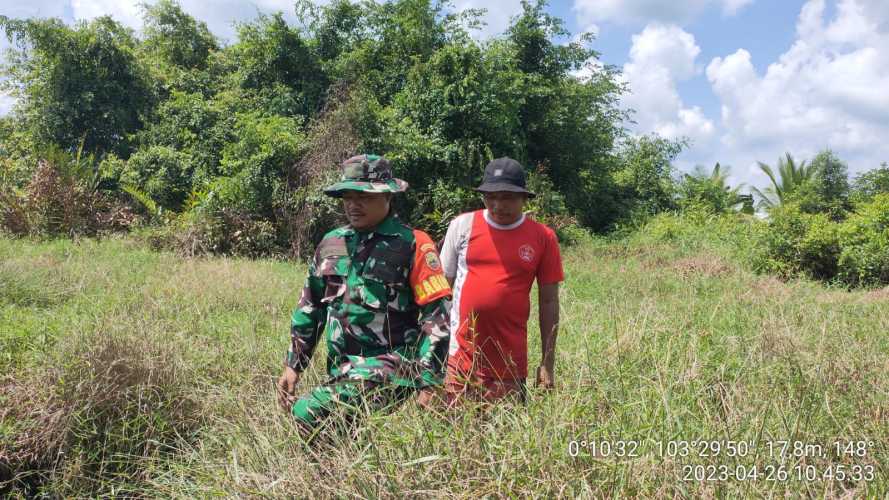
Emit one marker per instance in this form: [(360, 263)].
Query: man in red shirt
[(491, 258)]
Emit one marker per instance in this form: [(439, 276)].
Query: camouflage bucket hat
[(368, 173)]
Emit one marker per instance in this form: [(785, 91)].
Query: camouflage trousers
[(365, 385), (339, 403)]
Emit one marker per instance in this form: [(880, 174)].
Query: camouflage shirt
[(381, 298)]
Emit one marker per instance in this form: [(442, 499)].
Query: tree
[(77, 85), (871, 183), (272, 61), (709, 189), (791, 177), (175, 37), (645, 178), (832, 181)]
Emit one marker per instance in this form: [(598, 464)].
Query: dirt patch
[(771, 287), (881, 295), (701, 265)]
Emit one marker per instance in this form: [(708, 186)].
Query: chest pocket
[(389, 262), (385, 274)]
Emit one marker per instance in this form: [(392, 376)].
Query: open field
[(125, 371)]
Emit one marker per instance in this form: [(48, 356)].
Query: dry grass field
[(127, 372)]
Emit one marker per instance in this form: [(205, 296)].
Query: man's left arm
[(431, 291), (435, 337), (548, 311), (549, 274)]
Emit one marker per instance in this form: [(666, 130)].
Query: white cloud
[(220, 15), (731, 7), (660, 57), (636, 11), (827, 90)]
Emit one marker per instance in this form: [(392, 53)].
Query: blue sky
[(743, 80)]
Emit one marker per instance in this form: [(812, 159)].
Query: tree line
[(223, 148)]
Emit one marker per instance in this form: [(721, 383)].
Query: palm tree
[(790, 177)]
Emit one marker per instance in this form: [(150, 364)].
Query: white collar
[(501, 226)]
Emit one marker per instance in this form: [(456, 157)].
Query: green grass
[(128, 372)]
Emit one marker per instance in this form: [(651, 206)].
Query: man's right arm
[(305, 329), (306, 322)]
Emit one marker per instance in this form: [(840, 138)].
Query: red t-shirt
[(493, 268)]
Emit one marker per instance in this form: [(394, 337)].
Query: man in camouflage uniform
[(377, 288)]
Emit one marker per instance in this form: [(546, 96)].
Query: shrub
[(163, 173), (59, 200), (226, 232), (864, 238), (100, 416), (256, 165), (441, 203), (795, 242)]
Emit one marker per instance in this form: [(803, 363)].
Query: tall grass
[(130, 372)]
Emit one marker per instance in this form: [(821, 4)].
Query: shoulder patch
[(432, 260)]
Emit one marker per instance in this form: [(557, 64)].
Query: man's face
[(505, 207), (365, 210)]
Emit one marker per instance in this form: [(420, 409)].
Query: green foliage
[(77, 85), (871, 183), (195, 125), (833, 180), (443, 203), (163, 173), (176, 38), (791, 176), (228, 128), (273, 61), (255, 166), (710, 191), (644, 178), (799, 243), (864, 238)]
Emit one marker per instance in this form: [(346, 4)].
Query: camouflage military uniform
[(380, 296)]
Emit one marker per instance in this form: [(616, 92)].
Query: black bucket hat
[(504, 174)]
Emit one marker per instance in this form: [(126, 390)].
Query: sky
[(742, 80)]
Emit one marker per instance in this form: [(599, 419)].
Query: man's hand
[(545, 378), (287, 388)]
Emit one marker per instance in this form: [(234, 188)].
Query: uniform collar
[(389, 227)]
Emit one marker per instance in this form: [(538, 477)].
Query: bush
[(225, 232), (58, 200), (162, 173), (549, 207), (864, 238), (100, 416), (795, 242), (441, 203), (257, 164)]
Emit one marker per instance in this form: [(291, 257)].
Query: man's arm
[(450, 247), (548, 311), (305, 329), (435, 338)]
